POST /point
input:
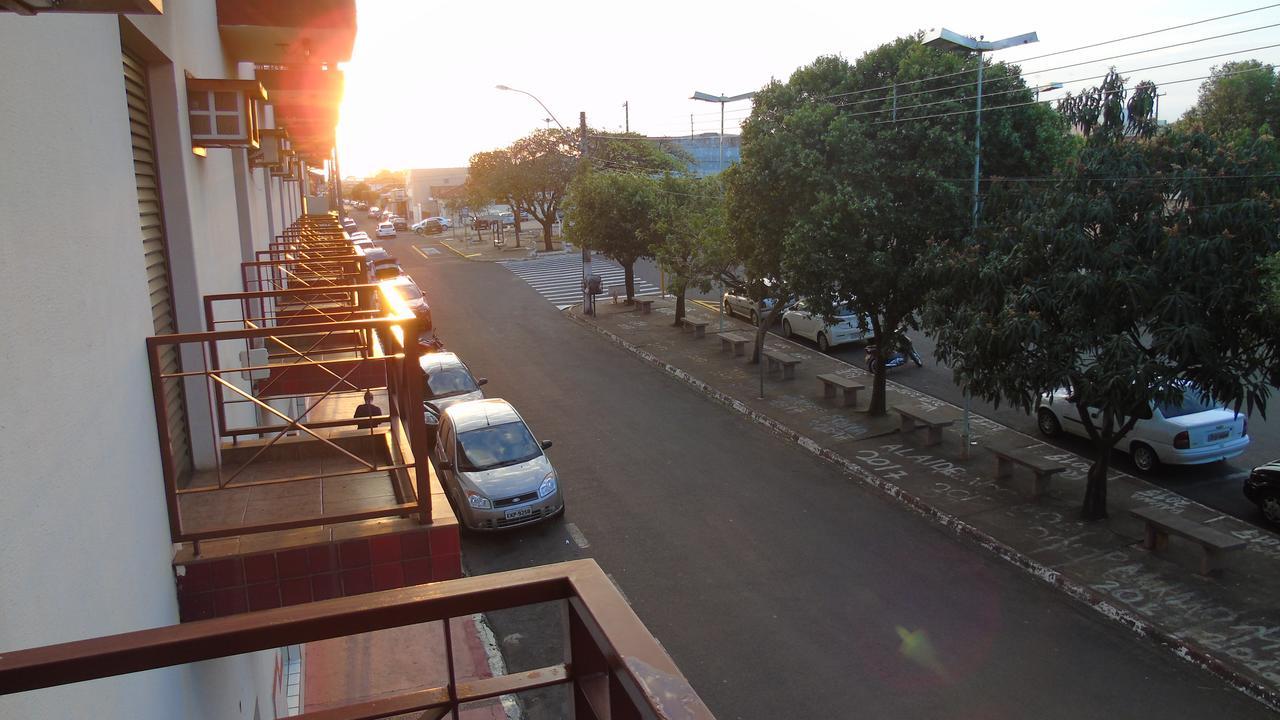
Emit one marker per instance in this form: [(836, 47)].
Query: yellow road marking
[(419, 251), (707, 305), (457, 252)]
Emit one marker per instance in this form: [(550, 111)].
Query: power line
[(985, 95), (1059, 52)]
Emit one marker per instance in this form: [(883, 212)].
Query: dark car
[(1263, 489)]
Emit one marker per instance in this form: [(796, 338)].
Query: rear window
[(1190, 405)]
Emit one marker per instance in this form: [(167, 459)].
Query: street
[(1216, 485), (781, 587)]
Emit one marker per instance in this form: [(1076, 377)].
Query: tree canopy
[(1238, 97), (850, 172), (614, 213), (1130, 278)]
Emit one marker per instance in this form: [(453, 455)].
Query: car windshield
[(446, 381), (496, 446), (408, 292), (1191, 404)]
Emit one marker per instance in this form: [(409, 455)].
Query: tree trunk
[(629, 272), (679, 289), (546, 235), (878, 390), (1095, 492)]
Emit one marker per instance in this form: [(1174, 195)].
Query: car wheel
[(728, 309), (755, 318), (1144, 458), (823, 344), (1271, 508), (786, 328), (1048, 423)]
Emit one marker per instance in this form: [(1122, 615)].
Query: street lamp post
[(586, 254), (945, 39), (722, 99)]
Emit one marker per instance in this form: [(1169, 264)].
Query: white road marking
[(559, 278), (578, 538)]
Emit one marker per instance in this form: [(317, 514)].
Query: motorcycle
[(895, 359)]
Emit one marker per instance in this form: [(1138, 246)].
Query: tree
[(614, 213), (851, 172), (361, 192), (690, 225), (1131, 279), (1238, 97)]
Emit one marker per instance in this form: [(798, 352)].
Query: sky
[(420, 86)]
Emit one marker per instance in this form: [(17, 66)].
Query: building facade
[(118, 223)]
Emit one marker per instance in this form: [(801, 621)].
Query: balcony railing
[(314, 357), (612, 665)]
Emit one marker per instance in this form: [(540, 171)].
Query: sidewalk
[(484, 249), (1228, 624)]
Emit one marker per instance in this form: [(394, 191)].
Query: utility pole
[(690, 126), (586, 254), (626, 108)]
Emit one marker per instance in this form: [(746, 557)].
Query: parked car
[(381, 264), (446, 222), (410, 293), (1263, 489), (480, 223), (848, 327), (399, 223), (742, 305), (364, 243), (493, 469), (386, 229), (375, 211), (429, 226), (448, 381), (358, 235), (507, 218), (1192, 432)]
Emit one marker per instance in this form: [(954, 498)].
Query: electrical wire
[(1059, 52)]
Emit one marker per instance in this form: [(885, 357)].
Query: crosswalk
[(559, 278)]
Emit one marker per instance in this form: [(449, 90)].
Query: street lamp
[(586, 254), (944, 39), (722, 99)]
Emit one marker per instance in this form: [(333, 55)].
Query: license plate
[(519, 513), (1221, 435)]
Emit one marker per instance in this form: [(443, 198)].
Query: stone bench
[(699, 327), (1215, 544), (1007, 457), (644, 305), (935, 419), (779, 361), (831, 382), (735, 341)]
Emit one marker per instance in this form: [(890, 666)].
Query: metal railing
[(384, 354), (612, 665)]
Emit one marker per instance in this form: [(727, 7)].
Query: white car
[(386, 229), (1192, 432), (359, 235), (848, 327)]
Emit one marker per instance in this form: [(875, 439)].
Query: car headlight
[(478, 501), (548, 485)]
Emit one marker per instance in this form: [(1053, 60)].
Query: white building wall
[(84, 539)]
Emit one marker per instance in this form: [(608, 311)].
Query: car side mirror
[(546, 444), (482, 381)]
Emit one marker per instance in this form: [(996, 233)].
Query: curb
[(1186, 651)]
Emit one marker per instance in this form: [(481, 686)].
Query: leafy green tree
[(1238, 97), (1131, 278), (850, 172), (614, 213), (690, 225), (361, 192)]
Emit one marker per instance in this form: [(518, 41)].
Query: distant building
[(427, 190), (705, 149)]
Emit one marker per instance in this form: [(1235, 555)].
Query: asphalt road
[(780, 586), (1216, 485)]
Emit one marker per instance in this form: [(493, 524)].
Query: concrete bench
[(831, 382), (736, 341), (1007, 457), (1214, 543), (935, 419), (645, 306), (779, 361), (699, 327)]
